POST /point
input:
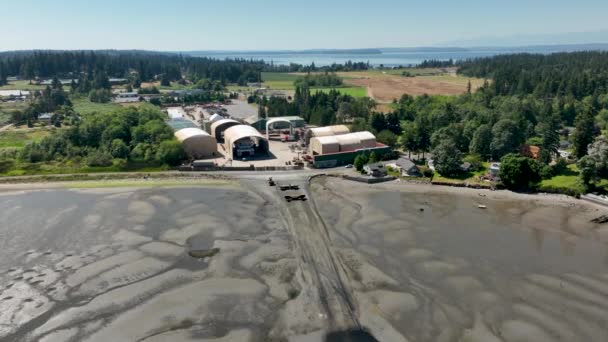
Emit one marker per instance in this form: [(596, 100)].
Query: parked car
[(349, 166)]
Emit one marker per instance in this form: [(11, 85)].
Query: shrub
[(518, 172), (426, 172), (118, 149), (100, 96), (547, 172), (99, 158), (171, 152)]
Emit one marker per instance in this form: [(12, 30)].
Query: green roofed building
[(181, 124), (280, 122)]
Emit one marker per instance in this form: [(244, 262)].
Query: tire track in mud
[(322, 271)]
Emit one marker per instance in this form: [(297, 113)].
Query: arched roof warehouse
[(329, 130), (235, 133), (220, 126), (197, 143), (325, 132), (342, 143)]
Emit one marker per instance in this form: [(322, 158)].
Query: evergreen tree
[(548, 130), (480, 143), (584, 133)]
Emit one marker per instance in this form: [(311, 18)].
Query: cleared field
[(83, 106), (7, 107), (279, 80), (21, 85), (18, 138), (386, 87)]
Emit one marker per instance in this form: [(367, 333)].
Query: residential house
[(45, 117), (408, 168), (375, 170), (529, 151)]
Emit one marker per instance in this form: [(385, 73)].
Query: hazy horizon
[(188, 25)]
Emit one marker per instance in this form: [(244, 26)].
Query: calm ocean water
[(387, 57)]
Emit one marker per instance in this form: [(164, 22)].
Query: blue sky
[(286, 24)]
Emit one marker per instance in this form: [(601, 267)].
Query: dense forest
[(146, 67), (141, 66), (576, 74)]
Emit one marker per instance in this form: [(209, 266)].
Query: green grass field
[(352, 91), (279, 80), (7, 107), (83, 106), (18, 138), (469, 177), (21, 85)]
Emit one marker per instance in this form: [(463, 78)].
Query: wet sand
[(113, 264), (527, 268)]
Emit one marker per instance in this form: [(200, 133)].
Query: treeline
[(145, 67), (129, 134), (436, 63), (335, 67), (318, 80), (576, 74)]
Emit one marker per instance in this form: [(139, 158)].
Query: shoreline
[(177, 179)]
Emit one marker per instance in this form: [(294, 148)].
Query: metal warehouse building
[(342, 143), (220, 126), (325, 132), (244, 141), (197, 143)]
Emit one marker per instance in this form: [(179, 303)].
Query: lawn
[(21, 85), (83, 106), (567, 181), (279, 80), (7, 107), (352, 91), (15, 168), (471, 177), (563, 182), (18, 138)]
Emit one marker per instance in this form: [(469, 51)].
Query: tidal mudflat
[(114, 265), (238, 263), (435, 267)]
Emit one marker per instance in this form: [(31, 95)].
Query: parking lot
[(280, 155)]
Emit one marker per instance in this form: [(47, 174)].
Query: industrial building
[(244, 141), (197, 143), (219, 127), (336, 150), (325, 131), (176, 113), (342, 143), (279, 122)]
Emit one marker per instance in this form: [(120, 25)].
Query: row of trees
[(334, 67), (318, 80)]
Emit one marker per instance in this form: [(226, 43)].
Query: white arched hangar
[(197, 143)]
